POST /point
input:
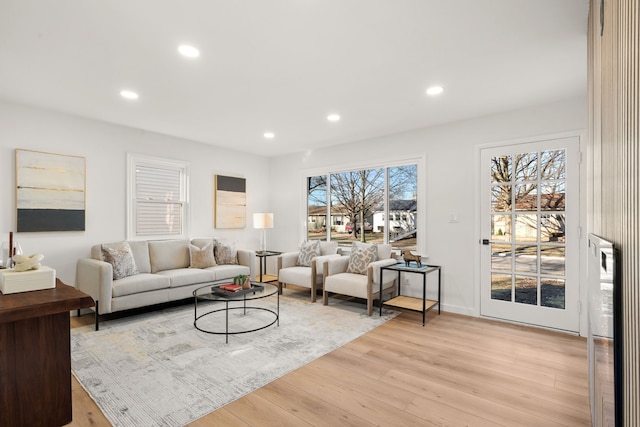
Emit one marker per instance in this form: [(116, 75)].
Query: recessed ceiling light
[(435, 90), (269, 135), (333, 117), (128, 94), (188, 51)]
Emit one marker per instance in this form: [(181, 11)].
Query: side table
[(263, 260), (35, 355), (411, 303)]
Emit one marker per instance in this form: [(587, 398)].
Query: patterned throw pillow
[(308, 251), (120, 257), (201, 258), (360, 258), (226, 253)]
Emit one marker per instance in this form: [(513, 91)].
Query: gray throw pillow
[(120, 257), (308, 251), (226, 253), (201, 258), (360, 258)]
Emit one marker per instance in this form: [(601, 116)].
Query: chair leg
[(369, 306), (325, 298)]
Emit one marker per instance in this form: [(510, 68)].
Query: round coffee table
[(212, 293)]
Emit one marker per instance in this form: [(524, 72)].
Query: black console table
[(411, 303)]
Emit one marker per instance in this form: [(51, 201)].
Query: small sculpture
[(24, 263), (408, 257), (247, 283)]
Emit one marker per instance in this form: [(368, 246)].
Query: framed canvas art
[(230, 202), (50, 191)]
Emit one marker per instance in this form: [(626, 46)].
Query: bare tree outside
[(358, 193), (358, 205), (317, 207)]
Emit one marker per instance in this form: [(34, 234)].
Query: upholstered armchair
[(305, 267), (358, 275)]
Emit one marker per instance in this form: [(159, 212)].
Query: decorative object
[(12, 281), (24, 263), (50, 191), (308, 251), (360, 258), (167, 373), (201, 257), (225, 253), (262, 221), (121, 259), (239, 279), (230, 200), (247, 283), (408, 257), (6, 255)]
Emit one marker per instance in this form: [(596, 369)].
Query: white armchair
[(307, 276), (343, 276)]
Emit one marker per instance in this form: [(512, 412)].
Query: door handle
[(485, 241)]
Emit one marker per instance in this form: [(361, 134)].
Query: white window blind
[(159, 199)]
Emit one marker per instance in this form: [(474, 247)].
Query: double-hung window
[(158, 198)]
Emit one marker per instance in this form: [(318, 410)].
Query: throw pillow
[(308, 251), (201, 258), (226, 253), (120, 257), (360, 258)]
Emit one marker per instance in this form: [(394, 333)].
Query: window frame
[(133, 160), (418, 160)]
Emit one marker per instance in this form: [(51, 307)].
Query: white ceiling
[(283, 65)]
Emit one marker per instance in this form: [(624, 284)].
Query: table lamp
[(262, 221)]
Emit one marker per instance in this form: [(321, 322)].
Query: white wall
[(450, 186), (105, 146)]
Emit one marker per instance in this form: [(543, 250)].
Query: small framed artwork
[(50, 191), (230, 202)]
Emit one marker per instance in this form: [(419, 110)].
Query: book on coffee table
[(230, 287)]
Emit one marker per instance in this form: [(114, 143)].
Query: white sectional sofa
[(164, 271)]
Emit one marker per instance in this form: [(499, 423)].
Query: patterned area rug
[(156, 369)]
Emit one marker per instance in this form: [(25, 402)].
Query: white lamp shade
[(262, 220)]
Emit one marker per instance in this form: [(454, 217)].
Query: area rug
[(156, 369)]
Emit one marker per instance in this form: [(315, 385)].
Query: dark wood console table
[(35, 355)]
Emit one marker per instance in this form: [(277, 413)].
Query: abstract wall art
[(230, 201), (50, 191)]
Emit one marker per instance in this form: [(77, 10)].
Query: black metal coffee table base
[(199, 295)]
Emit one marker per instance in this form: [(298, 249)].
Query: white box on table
[(12, 281)]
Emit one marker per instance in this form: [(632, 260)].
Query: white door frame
[(585, 194)]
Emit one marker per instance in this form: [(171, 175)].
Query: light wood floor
[(455, 371)]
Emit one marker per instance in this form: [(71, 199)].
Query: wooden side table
[(411, 303), (263, 260), (35, 355)]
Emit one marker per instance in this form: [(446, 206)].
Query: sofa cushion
[(203, 241), (226, 253), (308, 251), (360, 258), (383, 250), (328, 248), (140, 283), (168, 255), (298, 275), (121, 259), (140, 251), (347, 284), (201, 257), (187, 276), (229, 271)]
